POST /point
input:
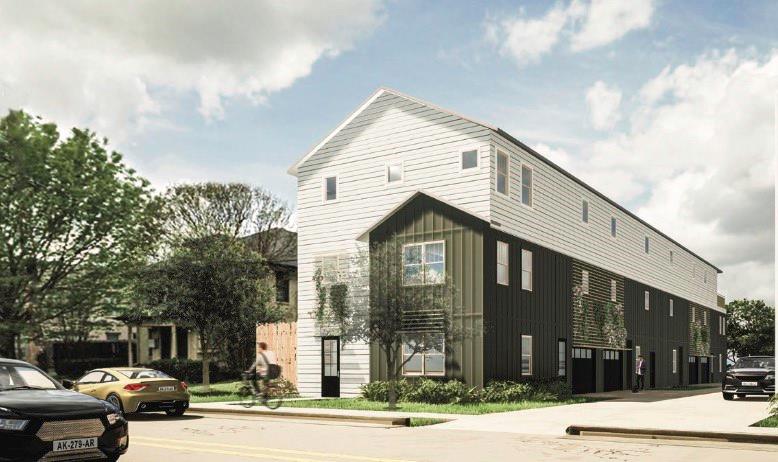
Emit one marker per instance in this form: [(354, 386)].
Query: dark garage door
[(704, 369), (694, 377), (583, 370), (612, 369)]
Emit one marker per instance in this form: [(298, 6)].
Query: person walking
[(640, 371)]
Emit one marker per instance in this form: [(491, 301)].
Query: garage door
[(583, 370), (612, 369), (694, 377)]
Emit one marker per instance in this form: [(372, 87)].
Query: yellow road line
[(265, 449), (224, 452)]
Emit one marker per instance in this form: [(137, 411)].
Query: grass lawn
[(222, 391), (481, 408), (771, 421)]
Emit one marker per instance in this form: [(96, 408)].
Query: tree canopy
[(750, 328), (70, 211)]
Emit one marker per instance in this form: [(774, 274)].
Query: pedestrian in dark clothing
[(640, 371)]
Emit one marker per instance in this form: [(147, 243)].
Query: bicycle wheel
[(246, 394), (273, 402)]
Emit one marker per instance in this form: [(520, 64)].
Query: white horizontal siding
[(554, 221), (428, 142)]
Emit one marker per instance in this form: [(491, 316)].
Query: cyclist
[(265, 367)]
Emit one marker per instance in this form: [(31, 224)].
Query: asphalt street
[(193, 438)]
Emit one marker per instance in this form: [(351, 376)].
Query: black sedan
[(751, 375), (41, 420)]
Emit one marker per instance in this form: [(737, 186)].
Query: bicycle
[(250, 392)]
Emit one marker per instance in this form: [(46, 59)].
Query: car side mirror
[(68, 384)]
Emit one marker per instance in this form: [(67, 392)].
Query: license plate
[(75, 444), (749, 384), (171, 388)]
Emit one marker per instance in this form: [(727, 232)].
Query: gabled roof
[(365, 235), (293, 169)]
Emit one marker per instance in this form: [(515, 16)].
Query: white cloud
[(589, 25), (104, 64), (698, 162), (604, 104), (526, 40), (608, 20)]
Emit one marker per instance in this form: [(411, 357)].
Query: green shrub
[(425, 390), (74, 368), (191, 370)]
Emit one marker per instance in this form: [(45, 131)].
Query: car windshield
[(143, 374), (13, 377), (755, 363)]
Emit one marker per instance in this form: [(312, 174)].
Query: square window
[(424, 263), (526, 185), (394, 173), (425, 354), (470, 159), (502, 263), (331, 188)]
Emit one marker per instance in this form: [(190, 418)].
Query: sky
[(668, 107)]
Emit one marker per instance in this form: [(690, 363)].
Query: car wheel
[(741, 395), (179, 411), (728, 396), (115, 400)]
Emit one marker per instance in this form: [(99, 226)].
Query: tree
[(210, 285), (67, 206), (402, 321), (750, 328)]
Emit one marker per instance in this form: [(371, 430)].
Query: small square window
[(585, 211), (331, 188), (394, 172), (470, 159)]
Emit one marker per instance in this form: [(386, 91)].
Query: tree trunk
[(391, 370), (206, 364), (8, 345)]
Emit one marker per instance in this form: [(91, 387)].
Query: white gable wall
[(428, 142), (555, 222)]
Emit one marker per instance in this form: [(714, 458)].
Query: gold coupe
[(135, 389)]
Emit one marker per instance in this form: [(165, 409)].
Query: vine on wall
[(598, 323)]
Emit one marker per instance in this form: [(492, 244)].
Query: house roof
[(294, 168), (365, 235)]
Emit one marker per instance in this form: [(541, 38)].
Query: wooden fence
[(282, 339)]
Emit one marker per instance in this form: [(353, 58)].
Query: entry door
[(652, 370), (330, 367), (612, 369), (583, 370), (694, 377), (704, 369)]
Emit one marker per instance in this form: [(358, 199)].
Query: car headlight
[(13, 424), (113, 418)]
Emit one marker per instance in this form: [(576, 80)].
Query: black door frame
[(330, 385), (652, 369)]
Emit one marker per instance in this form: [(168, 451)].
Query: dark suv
[(751, 375)]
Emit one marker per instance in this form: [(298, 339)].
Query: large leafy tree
[(69, 209), (750, 328), (212, 285)]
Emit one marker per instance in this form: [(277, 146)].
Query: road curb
[(387, 420), (654, 433)]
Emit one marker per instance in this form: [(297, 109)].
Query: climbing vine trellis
[(598, 323)]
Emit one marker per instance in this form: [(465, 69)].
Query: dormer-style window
[(330, 188), (394, 172), (469, 159)]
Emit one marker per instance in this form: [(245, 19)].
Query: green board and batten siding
[(425, 219)]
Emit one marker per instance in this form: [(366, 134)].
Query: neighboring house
[(153, 340), (566, 282)]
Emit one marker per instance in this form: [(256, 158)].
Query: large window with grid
[(429, 359), (424, 263)]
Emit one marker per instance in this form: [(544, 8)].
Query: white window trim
[(423, 363), (531, 353), (585, 278), (423, 255), (613, 231), (531, 186), (337, 257), (675, 361), (507, 263), (324, 178), (647, 300), (391, 163), (588, 211), (477, 168), (497, 153), (531, 270)]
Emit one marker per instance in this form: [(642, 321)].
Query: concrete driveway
[(699, 410)]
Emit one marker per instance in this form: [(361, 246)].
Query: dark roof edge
[(523, 146)]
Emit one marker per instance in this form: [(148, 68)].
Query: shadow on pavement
[(651, 395)]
